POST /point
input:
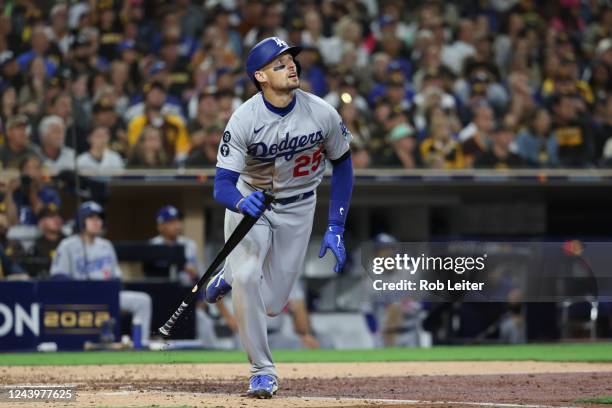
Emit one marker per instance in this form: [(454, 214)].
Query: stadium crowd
[(146, 83)]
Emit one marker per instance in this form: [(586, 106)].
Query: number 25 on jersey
[(306, 163)]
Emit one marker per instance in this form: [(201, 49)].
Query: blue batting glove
[(253, 204), (334, 240)]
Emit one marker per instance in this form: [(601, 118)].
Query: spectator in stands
[(8, 268), (371, 53), (9, 69), (155, 95), (77, 119), (8, 209), (110, 29), (179, 78), (205, 155), (311, 71), (87, 256), (8, 106), (17, 144), (380, 149), (170, 229), (572, 132), (12, 247), (121, 84), (566, 81), (397, 92), (402, 138), (39, 41), (475, 137), (270, 24), (536, 145), (59, 34), (601, 79), (99, 157), (499, 156), (453, 55), (50, 225), (354, 121), (481, 86), (105, 115), (30, 192), (353, 46), (431, 95), (56, 155), (149, 151), (313, 36), (227, 102), (86, 55), (348, 91), (360, 156), (204, 116), (32, 93), (522, 100), (439, 150), (175, 140)]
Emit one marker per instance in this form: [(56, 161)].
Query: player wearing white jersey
[(279, 140), (88, 256)]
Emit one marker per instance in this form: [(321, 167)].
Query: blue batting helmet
[(167, 213), (265, 51), (87, 209)]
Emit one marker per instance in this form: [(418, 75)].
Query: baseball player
[(88, 256), (279, 139), (170, 227)]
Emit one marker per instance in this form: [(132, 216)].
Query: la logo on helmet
[(280, 42)]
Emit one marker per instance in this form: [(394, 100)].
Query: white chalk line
[(334, 399)]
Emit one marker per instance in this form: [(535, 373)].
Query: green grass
[(597, 352), (598, 400)]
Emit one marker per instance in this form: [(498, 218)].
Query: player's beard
[(289, 86)]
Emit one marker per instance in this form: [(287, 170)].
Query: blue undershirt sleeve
[(225, 191), (341, 190)]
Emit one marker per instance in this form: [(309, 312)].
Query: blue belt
[(293, 199)]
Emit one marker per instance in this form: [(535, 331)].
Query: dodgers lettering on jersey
[(97, 261), (285, 153)]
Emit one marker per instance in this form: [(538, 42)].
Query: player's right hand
[(253, 204)]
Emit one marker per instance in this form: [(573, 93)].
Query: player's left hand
[(334, 240)]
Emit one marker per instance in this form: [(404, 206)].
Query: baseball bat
[(239, 233)]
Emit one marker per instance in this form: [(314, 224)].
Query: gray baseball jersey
[(285, 153), (97, 261)]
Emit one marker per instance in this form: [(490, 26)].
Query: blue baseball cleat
[(217, 287), (262, 386)]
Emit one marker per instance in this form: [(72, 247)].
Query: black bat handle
[(245, 225)]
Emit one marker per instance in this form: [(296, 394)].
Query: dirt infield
[(422, 384)]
